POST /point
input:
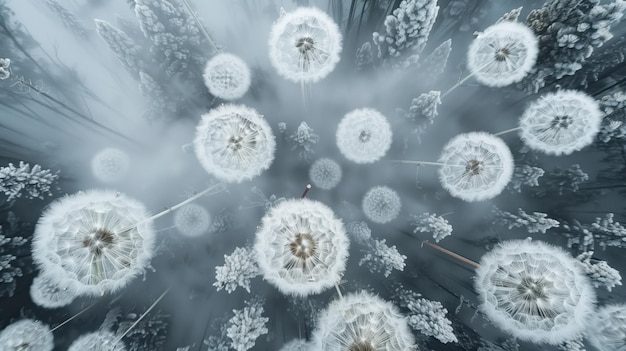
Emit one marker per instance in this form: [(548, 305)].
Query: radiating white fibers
[(192, 220), (477, 166), (26, 335), (362, 321), (534, 291), (304, 45), (381, 204), (364, 135), (301, 247), (97, 240), (227, 76), (560, 123), (503, 54), (234, 143)]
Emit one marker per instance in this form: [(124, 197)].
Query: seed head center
[(474, 167), (305, 45), (362, 345), (365, 136), (99, 240), (303, 246), (562, 122), (502, 54)]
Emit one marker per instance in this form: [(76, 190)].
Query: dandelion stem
[(508, 131), (420, 163), (338, 291), (457, 85), (66, 321), (306, 191), (142, 316), (450, 253)]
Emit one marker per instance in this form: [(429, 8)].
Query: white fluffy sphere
[(192, 220), (381, 204), (325, 173), (227, 76), (364, 135), (110, 165), (26, 335)]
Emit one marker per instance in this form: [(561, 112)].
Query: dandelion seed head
[(26, 335), (560, 123), (304, 45), (48, 292), (192, 220), (364, 135), (234, 143), (381, 204), (607, 328), (110, 165), (227, 76), (301, 247), (325, 173)]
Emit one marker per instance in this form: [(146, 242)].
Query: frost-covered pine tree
[(435, 63), (364, 56), (359, 232), (406, 32), (160, 103), (68, 18), (600, 273), (431, 223), (239, 268), (422, 112), (246, 326), (562, 180), (613, 126), (381, 258), (536, 222), (11, 247), (32, 182), (303, 140), (525, 175), (569, 32), (426, 316), (127, 52)]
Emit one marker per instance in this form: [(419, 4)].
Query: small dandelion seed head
[(26, 335), (110, 165), (364, 135), (227, 76), (381, 204), (325, 173), (192, 220)]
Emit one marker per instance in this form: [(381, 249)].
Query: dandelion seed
[(26, 335), (301, 247), (534, 291), (304, 45), (98, 240), (227, 76), (325, 173), (110, 165), (364, 135), (234, 143), (381, 204), (476, 166), (503, 54), (192, 220), (97, 341), (48, 292), (361, 321), (561, 123)]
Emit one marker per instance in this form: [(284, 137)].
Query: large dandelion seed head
[(364, 135), (381, 204), (301, 247), (325, 173), (234, 143), (607, 328), (561, 123), (534, 291), (362, 322), (192, 220), (110, 165), (305, 45), (478, 166), (49, 291), (503, 54), (26, 335), (98, 240), (227, 76), (98, 341)]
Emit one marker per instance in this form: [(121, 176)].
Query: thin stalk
[(508, 131), (419, 163), (306, 191), (338, 291), (451, 254), (142, 316)]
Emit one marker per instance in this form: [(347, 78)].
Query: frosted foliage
[(429, 317), (503, 54), (122, 45), (110, 165), (561, 123), (361, 321), (234, 143), (23, 180), (26, 335), (301, 247), (227, 76), (304, 45), (478, 166), (5, 71), (607, 328), (536, 222), (325, 173), (525, 175), (98, 240), (238, 269), (13, 249), (600, 273), (303, 140), (381, 258), (364, 135), (47, 292), (98, 341), (381, 204), (534, 291), (246, 326), (192, 220), (431, 223), (296, 345)]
